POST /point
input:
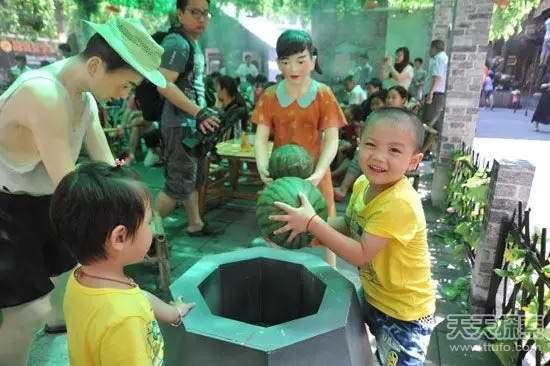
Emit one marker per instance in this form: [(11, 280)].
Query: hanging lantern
[(370, 4), (503, 4)]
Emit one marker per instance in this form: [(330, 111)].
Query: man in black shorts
[(46, 116), (183, 113)]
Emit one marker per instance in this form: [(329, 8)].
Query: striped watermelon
[(286, 190), (290, 161)]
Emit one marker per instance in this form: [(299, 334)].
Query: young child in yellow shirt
[(102, 213), (384, 234)]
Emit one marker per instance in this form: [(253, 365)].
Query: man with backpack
[(184, 111)]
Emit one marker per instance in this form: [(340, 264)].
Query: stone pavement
[(238, 218)]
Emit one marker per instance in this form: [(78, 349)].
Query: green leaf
[(507, 21), (546, 270), (507, 353), (518, 279), (542, 340), (461, 283), (459, 250), (502, 273), (462, 229), (449, 293)]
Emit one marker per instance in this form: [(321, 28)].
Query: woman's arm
[(400, 76), (261, 152), (329, 148)]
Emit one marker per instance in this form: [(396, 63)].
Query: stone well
[(265, 306)]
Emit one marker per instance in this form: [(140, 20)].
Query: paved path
[(503, 134)]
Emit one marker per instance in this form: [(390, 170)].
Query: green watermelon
[(290, 161), (286, 190)]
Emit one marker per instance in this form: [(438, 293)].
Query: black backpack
[(148, 99)]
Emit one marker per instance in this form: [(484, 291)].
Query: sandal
[(206, 230), (57, 329)]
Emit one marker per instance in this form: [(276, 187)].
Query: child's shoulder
[(119, 306), (324, 89), (270, 91), (403, 194), (361, 184)]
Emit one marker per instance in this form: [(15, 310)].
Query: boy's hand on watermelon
[(314, 179), (296, 218)]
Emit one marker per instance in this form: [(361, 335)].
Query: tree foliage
[(28, 18), (508, 21), (154, 7)]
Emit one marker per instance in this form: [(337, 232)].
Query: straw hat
[(131, 41)]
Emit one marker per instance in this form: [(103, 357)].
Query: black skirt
[(542, 113), (29, 251)]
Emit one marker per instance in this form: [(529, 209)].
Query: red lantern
[(503, 4), (370, 4)]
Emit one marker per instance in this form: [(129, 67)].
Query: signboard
[(36, 52)]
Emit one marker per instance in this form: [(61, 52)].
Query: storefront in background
[(36, 52)]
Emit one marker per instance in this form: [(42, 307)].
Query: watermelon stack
[(286, 190), (290, 161)]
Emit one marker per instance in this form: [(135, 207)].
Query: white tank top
[(33, 178)]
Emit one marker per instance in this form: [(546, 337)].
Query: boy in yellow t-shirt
[(384, 234), (102, 213)]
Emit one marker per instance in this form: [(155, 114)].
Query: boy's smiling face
[(386, 153)]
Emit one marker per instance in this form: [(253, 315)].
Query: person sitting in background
[(260, 85), (417, 85), (375, 102), (211, 89), (232, 103), (19, 68), (356, 94), (247, 68), (132, 119), (246, 89), (374, 85), (363, 73), (347, 146), (397, 97)]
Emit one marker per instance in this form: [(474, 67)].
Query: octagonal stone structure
[(265, 306)]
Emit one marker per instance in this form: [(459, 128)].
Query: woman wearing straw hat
[(46, 116)]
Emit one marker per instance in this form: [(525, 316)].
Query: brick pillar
[(442, 19), (466, 50), (511, 182)]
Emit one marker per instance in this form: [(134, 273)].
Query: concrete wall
[(376, 32), (232, 39), (412, 30)]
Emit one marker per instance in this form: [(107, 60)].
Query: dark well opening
[(262, 292)]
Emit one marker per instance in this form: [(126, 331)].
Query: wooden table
[(231, 150)]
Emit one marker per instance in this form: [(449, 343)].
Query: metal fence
[(518, 287)]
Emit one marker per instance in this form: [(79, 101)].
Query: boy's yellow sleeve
[(394, 219), (128, 343), (358, 189)]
